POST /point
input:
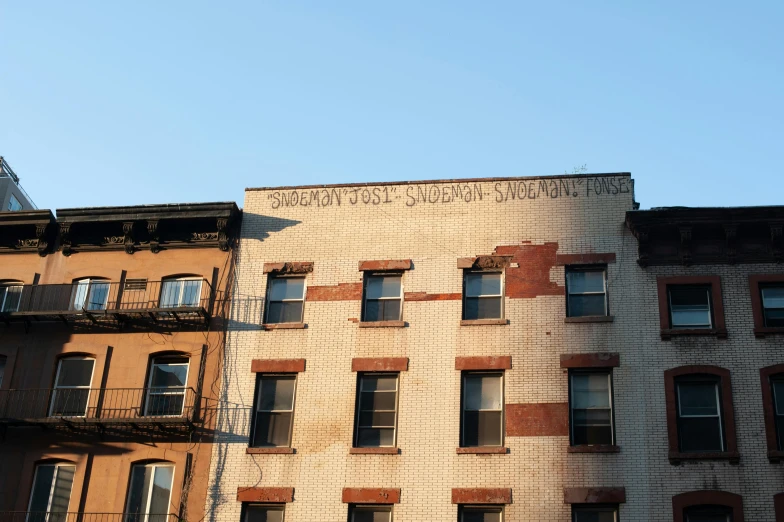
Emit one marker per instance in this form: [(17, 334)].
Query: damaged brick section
[(594, 495), (371, 495), (379, 364), (339, 292), (531, 278), (489, 362), (537, 420), (424, 296), (288, 268), (277, 365), (276, 495), (481, 495), (387, 264)]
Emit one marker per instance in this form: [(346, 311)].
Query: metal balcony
[(54, 516), (95, 302), (74, 407)]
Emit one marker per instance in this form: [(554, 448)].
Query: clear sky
[(114, 103)]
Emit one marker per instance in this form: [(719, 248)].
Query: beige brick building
[(493, 396)]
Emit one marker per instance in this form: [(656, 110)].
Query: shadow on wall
[(260, 227)]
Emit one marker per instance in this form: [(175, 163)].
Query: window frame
[(499, 508), (154, 465), (703, 379), (730, 452), (273, 506), (149, 393), (463, 409), (90, 283), (268, 297), (367, 275), (387, 508), (684, 501), (718, 328), (576, 508), (56, 466), (4, 286), (570, 269), (772, 435), (708, 303), (502, 296), (181, 291), (756, 283), (611, 391), (357, 411), (257, 391), (55, 387)]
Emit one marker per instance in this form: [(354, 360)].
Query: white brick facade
[(434, 235)]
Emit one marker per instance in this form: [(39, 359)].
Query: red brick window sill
[(270, 451), (284, 326), (382, 324), (595, 448), (484, 322), (676, 457), (374, 451), (494, 450)]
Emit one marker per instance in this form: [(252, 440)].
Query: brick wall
[(434, 235)]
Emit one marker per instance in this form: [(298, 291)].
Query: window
[(89, 294), (149, 493), (483, 296), (708, 514), (777, 385), (594, 514), (10, 297), (370, 513), (181, 292), (591, 407), (481, 514), (166, 387), (274, 410), (483, 409), (587, 291), (699, 414), (285, 300), (773, 305), (72, 387), (690, 306), (376, 418), (2, 369), (13, 204), (263, 513), (51, 493), (383, 297)]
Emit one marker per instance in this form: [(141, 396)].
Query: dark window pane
[(481, 514), (263, 514), (709, 514), (373, 311), (272, 429), (44, 476), (582, 281), (774, 318), (690, 306), (75, 372), (377, 401), (287, 288), (276, 393), (165, 404), (583, 305), (482, 428), (698, 398), (482, 284), (284, 312), (370, 514), (387, 310), (594, 514), (483, 392), (378, 419), (70, 402), (382, 286), (373, 437), (700, 434), (773, 297), (482, 308), (587, 434), (168, 375), (379, 382)]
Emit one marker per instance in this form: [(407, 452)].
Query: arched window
[(181, 292), (10, 296), (149, 492), (166, 386), (71, 394), (50, 495), (89, 294)]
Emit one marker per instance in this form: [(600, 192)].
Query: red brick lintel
[(491, 362), (585, 259), (590, 360), (387, 264), (265, 495), (379, 364), (594, 495), (481, 495), (277, 365), (371, 495)]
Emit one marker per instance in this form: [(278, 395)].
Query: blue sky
[(110, 103)]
